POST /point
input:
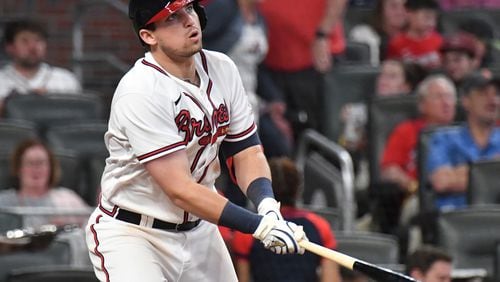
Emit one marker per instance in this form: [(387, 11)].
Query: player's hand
[(270, 207), (280, 236)]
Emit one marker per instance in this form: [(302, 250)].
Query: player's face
[(179, 35), (35, 168), (28, 49)]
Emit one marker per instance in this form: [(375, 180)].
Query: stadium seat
[(384, 114), (72, 170), (14, 131), (328, 176), (450, 21), (471, 236), (5, 179), (57, 253), (9, 221), (343, 85), (372, 247), (96, 167), (484, 182), (356, 53), (83, 137), (51, 109), (86, 139), (59, 273)]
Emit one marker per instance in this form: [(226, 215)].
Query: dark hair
[(286, 180), (414, 5), (424, 257), (414, 74), (13, 28), (16, 161)]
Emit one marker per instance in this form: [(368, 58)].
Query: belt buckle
[(177, 227)]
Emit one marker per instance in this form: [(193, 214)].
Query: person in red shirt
[(305, 38), (420, 43), (437, 97), (254, 263)]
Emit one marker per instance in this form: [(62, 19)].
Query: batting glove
[(280, 236), (271, 207)]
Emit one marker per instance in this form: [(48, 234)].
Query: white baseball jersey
[(154, 113)]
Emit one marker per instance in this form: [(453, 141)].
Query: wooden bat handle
[(343, 260), (372, 271)]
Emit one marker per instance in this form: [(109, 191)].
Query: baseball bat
[(372, 271)]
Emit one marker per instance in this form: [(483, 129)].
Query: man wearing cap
[(170, 115), (451, 152)]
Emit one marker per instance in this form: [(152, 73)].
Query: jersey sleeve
[(149, 126), (242, 123)]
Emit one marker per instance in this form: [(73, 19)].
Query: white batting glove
[(271, 207), (280, 236)]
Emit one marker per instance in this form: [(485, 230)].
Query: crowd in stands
[(284, 53)]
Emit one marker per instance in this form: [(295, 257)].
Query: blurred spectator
[(25, 42), (460, 57), (35, 172), (436, 105), (388, 19), (429, 264), (395, 78), (450, 153), (420, 42), (447, 5), (242, 36), (305, 38), (254, 263)]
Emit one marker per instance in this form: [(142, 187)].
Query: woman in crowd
[(388, 19), (35, 173)]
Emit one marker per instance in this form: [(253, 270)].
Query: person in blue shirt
[(451, 152)]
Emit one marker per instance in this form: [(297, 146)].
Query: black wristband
[(321, 34), (260, 189), (238, 218)]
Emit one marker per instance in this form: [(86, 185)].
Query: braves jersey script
[(154, 114)]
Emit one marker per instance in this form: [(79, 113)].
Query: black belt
[(135, 218)]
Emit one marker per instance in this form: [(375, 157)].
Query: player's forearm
[(250, 164), (200, 201)]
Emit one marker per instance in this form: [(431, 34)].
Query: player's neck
[(182, 68)]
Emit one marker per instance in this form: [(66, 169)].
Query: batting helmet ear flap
[(201, 14)]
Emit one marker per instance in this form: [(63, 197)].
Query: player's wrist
[(238, 218), (260, 189)]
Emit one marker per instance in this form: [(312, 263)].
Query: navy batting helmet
[(144, 12)]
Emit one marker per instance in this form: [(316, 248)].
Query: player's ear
[(147, 36)]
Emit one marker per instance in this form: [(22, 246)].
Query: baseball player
[(170, 115)]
